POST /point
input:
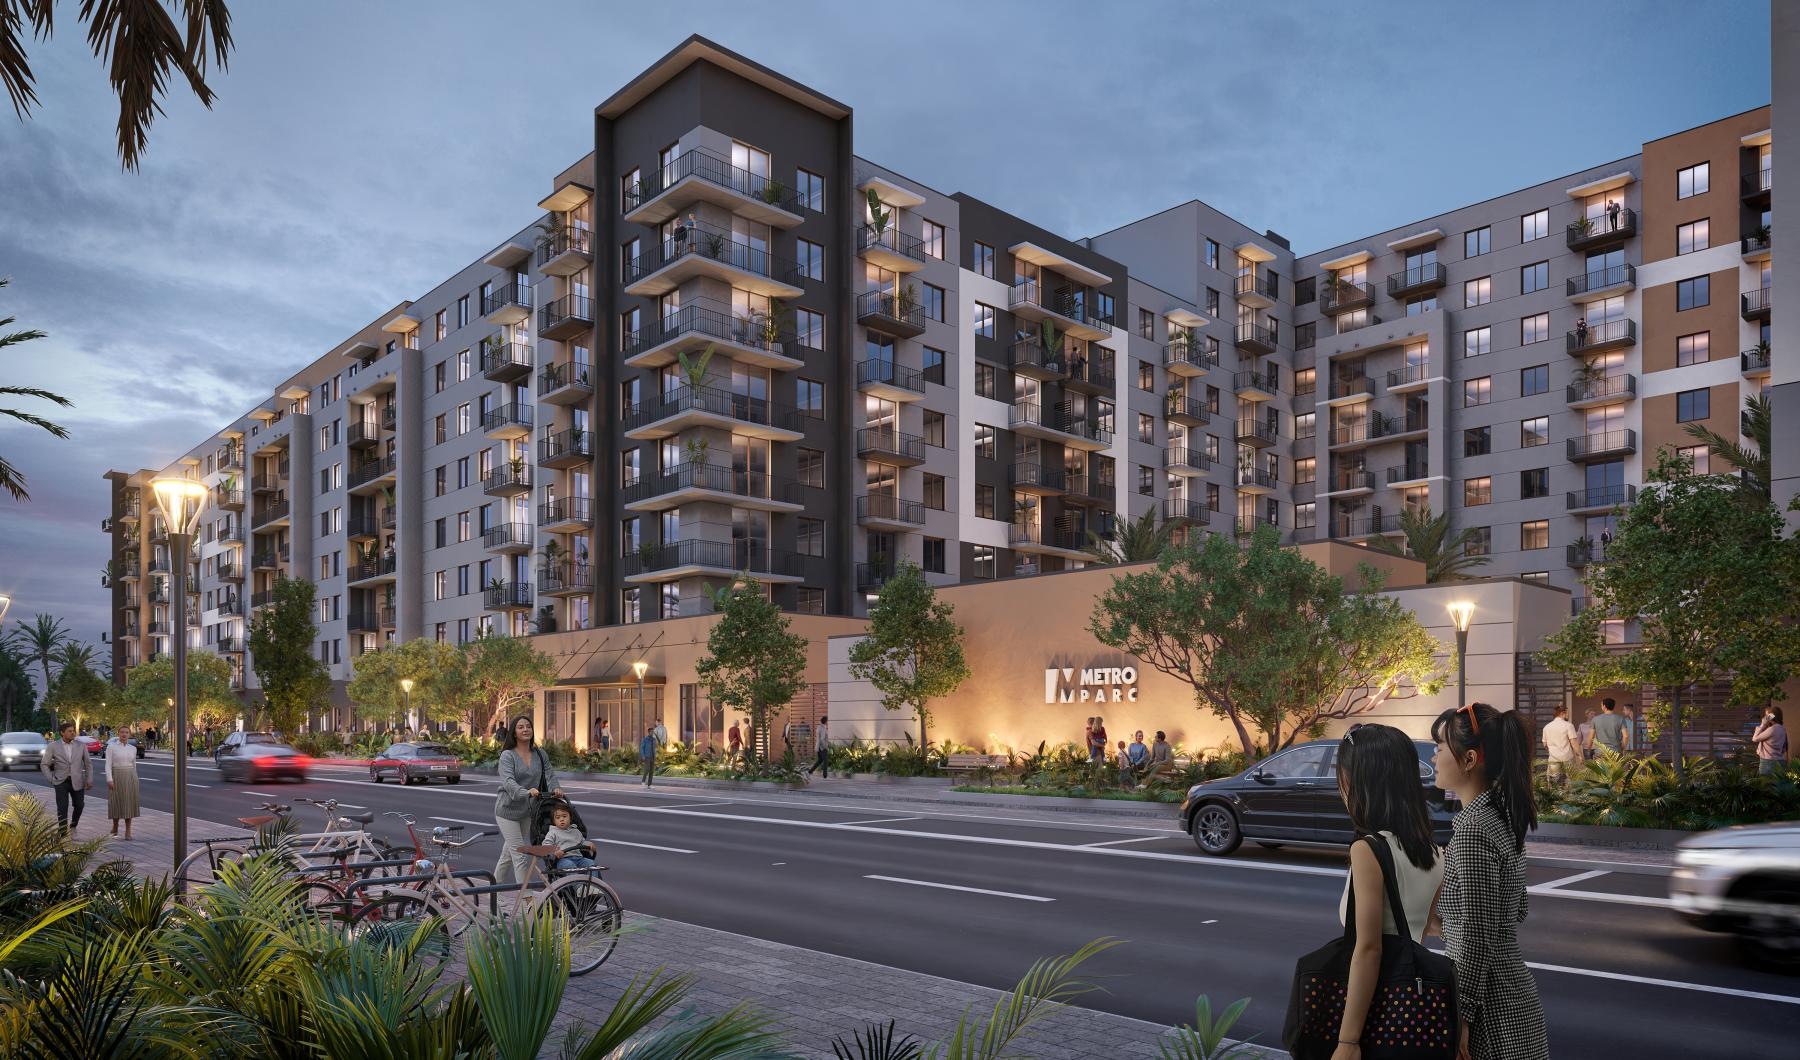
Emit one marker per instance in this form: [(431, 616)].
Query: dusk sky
[(359, 153)]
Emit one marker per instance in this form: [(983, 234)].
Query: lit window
[(1694, 180)]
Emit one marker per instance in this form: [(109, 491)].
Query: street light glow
[(1461, 612), (640, 668), (181, 501), (406, 685), (5, 605)]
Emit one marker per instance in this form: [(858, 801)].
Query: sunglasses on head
[(1475, 724)]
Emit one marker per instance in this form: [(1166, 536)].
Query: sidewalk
[(151, 846)]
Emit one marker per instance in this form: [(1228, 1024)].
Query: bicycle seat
[(365, 817), (541, 850)]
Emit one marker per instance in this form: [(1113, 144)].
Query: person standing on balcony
[(1581, 331), (1612, 214)]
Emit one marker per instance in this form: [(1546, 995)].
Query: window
[(984, 441), (1146, 324), (934, 492), (934, 301), (463, 423), (1306, 335), (1421, 305), (933, 241), (630, 467), (1534, 432), (462, 311), (440, 481), (1146, 480), (1306, 381), (1306, 469), (1692, 349), (809, 537), (1479, 542), (1477, 491), (1146, 379), (440, 533), (1534, 535), (1477, 242), (1534, 482), (1306, 290), (631, 604), (1694, 293), (1306, 516), (934, 428), (462, 526), (1479, 291), (810, 468), (1305, 425), (1534, 277), (1477, 341), (440, 324), (984, 320), (809, 329), (1212, 302), (809, 397), (439, 585), (1212, 254), (440, 429), (1534, 380), (1695, 235), (1541, 577), (1694, 180), (463, 366), (462, 472), (439, 375), (1534, 329), (1534, 226), (984, 501), (629, 190), (982, 559), (1477, 441), (1698, 456), (986, 380), (933, 370), (934, 555), (811, 259), (809, 189), (983, 260), (1146, 427), (1691, 405), (1476, 391)]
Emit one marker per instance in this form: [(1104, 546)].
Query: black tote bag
[(1413, 1015)]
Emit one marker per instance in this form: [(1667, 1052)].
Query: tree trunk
[(1243, 734), (1675, 734), (49, 706), (923, 742)]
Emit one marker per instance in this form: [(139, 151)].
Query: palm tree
[(15, 684), (140, 44), (1754, 462), (1137, 541), (1428, 539), (41, 640), (11, 477), (76, 654)]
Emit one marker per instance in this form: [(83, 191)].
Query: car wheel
[(453, 780), (374, 776), (1771, 935), (405, 777), (1215, 829)]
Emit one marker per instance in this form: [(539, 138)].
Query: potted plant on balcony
[(646, 556), (906, 300), (696, 451), (549, 230), (773, 191), (1587, 375), (1335, 287), (553, 554), (1583, 227), (1584, 548), (771, 324), (496, 588), (695, 368), (106, 574), (879, 215), (516, 465), (1052, 342), (1760, 234)]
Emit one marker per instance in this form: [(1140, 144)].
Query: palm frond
[(1048, 987), (1202, 1039), (876, 1042), (1428, 539), (142, 46), (518, 969), (643, 1002)]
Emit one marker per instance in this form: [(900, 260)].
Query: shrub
[(1636, 792), (318, 744)]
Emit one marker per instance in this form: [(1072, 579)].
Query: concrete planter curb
[(1593, 835)]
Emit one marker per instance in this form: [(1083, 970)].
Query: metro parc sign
[(1093, 684)]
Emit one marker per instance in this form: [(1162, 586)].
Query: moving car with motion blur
[(1291, 797), (420, 763), (256, 762), (21, 750), (1744, 880)]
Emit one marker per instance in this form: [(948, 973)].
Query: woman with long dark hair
[(1484, 756), (525, 774), (1378, 776)]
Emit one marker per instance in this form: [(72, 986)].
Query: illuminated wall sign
[(1095, 684)]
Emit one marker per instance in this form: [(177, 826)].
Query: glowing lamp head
[(640, 668), (181, 500), (1462, 612), (406, 685)]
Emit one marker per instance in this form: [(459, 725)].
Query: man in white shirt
[(1563, 745)]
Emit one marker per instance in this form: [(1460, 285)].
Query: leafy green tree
[(1137, 541), (495, 675), (295, 684), (1712, 583), (434, 669), (1428, 539), (914, 651), (40, 641), (752, 662), (17, 694), (211, 700), (1754, 459), (11, 478), (80, 693)]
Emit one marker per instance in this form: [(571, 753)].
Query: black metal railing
[(716, 478), (1408, 473), (370, 470), (1030, 352), (1268, 378), (1759, 183), (568, 442), (1258, 430), (566, 510), (364, 526), (374, 567), (1249, 284), (1602, 497), (1349, 479), (1755, 359), (887, 373), (1068, 538), (1602, 388), (1337, 296), (753, 557), (228, 571), (1035, 414), (1417, 278), (565, 577), (564, 374), (1600, 279), (506, 596), (1600, 443), (1190, 352), (1190, 409), (890, 239), (270, 512), (1605, 333), (511, 414), (508, 478), (1406, 376), (1257, 336), (891, 310), (570, 308), (883, 440), (1184, 456), (504, 293), (1252, 476), (1072, 305), (506, 360), (503, 535), (1588, 231), (1756, 303), (1033, 475), (703, 165), (1185, 509), (225, 498), (712, 400), (890, 508), (562, 240), (701, 319), (872, 576), (1347, 386), (711, 243)]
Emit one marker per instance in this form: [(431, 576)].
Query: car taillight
[(302, 760), (263, 762)]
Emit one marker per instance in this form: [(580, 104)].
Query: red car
[(416, 763)]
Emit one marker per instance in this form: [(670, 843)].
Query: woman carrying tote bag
[(1377, 993)]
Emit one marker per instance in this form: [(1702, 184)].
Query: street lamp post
[(181, 501), (406, 687), (1461, 612), (640, 668)]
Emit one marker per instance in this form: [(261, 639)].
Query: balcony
[(1602, 444), (1258, 291), (1089, 491), (1354, 527), (232, 534), (1408, 475), (1251, 479), (1065, 541), (687, 406), (883, 511), (1585, 553), (507, 596), (689, 482), (229, 645), (1070, 310), (1038, 479), (128, 511), (388, 417), (1187, 411), (1599, 283), (899, 314), (229, 606), (566, 515), (1416, 280), (265, 561), (229, 571), (1596, 338), (564, 250), (870, 577), (1600, 498), (710, 559), (363, 620), (159, 565), (1758, 186), (505, 362), (1030, 357), (1182, 510), (1341, 296), (1255, 339), (1185, 461), (704, 251), (1091, 373), (890, 446), (508, 480), (130, 572), (565, 579), (885, 379), (565, 383), (1755, 361), (158, 628), (231, 457), (568, 317), (232, 500), (1188, 358), (265, 483), (372, 475), (1258, 433), (363, 434), (890, 249), (270, 515), (1758, 245), (1601, 390), (698, 176), (1262, 384), (570, 447), (374, 569), (1034, 420), (363, 528), (1755, 304), (1348, 390), (1593, 233), (508, 421), (746, 338), (506, 302), (1350, 482), (507, 537)]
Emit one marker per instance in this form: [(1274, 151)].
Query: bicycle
[(337, 844), (588, 903)]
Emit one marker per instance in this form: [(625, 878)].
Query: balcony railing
[(229, 571), (374, 567), (231, 499), (266, 598), (1418, 278), (563, 374), (1759, 183), (1754, 360), (1757, 243), (559, 315), (1067, 304), (872, 576), (1602, 443), (1408, 473), (370, 470), (1341, 296), (1067, 538), (1602, 388), (1250, 476), (890, 508), (899, 313), (229, 606), (1601, 497), (363, 526), (714, 401), (704, 321), (715, 478), (707, 242), (1029, 475), (1601, 279), (1189, 353), (231, 456), (1602, 336), (1257, 338), (270, 512), (504, 294), (1349, 480), (507, 535), (566, 510), (887, 373), (1031, 357), (1032, 413), (1755, 303), (511, 414), (1351, 386), (507, 479), (507, 596), (753, 557), (1185, 510), (506, 361), (890, 239), (1251, 285), (882, 440), (1365, 525), (1587, 232), (565, 578), (564, 239), (1185, 456), (708, 167), (1258, 431), (362, 432), (1186, 410), (566, 446)]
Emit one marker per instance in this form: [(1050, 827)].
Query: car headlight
[(9, 752), (1704, 857)]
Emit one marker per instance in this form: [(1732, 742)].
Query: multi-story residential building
[(732, 345)]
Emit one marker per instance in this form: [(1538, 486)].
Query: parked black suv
[(1292, 797)]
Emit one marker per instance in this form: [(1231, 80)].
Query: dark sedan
[(22, 749), (256, 762), (416, 763), (1291, 797)]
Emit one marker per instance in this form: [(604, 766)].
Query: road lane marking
[(881, 820), (1577, 878), (1673, 984), (604, 842), (1602, 896), (1203, 923), (260, 794), (959, 887), (1116, 842), (723, 802)]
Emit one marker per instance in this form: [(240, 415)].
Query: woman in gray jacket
[(525, 773)]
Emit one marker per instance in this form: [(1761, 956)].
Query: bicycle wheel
[(595, 915), (324, 901), (396, 917), (200, 868)]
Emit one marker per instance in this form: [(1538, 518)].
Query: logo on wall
[(1094, 684)]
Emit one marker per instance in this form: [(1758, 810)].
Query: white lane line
[(1116, 842), (1672, 984), (1610, 899), (722, 802), (881, 820), (261, 794), (191, 784), (1577, 878), (1205, 922), (605, 842), (459, 820), (957, 887)]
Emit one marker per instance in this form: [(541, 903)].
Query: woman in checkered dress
[(1484, 756)]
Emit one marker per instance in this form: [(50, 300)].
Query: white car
[(1745, 880)]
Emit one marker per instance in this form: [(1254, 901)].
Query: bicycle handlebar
[(275, 807), (454, 844), (405, 818)]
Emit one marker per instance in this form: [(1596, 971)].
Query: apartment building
[(729, 344)]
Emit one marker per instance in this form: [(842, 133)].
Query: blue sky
[(358, 153)]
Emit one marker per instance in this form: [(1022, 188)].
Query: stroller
[(540, 826)]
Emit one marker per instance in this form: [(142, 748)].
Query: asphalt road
[(977, 895)]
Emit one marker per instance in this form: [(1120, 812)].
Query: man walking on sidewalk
[(1609, 729), (1563, 747), (647, 752), (822, 743), (65, 764)]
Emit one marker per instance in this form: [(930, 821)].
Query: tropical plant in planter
[(695, 368), (907, 299), (1336, 287), (1583, 226), (773, 191), (697, 448), (496, 586), (1761, 234), (549, 230), (1052, 342), (516, 464), (646, 554), (879, 215), (553, 552), (771, 324)]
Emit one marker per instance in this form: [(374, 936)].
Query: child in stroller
[(558, 825)]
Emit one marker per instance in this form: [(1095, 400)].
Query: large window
[(933, 242), (1477, 391), (1534, 226), (1534, 482), (982, 559), (811, 190), (984, 441), (1534, 277), (986, 380), (1694, 180), (983, 263), (984, 320), (810, 468), (1695, 235), (1534, 432), (934, 555), (984, 501), (1534, 328), (1534, 535), (809, 537), (812, 259), (1477, 441), (1693, 293), (1691, 405), (1477, 341), (1479, 291), (932, 366), (1692, 349), (1477, 491), (933, 301), (809, 329), (934, 428), (1534, 380)]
